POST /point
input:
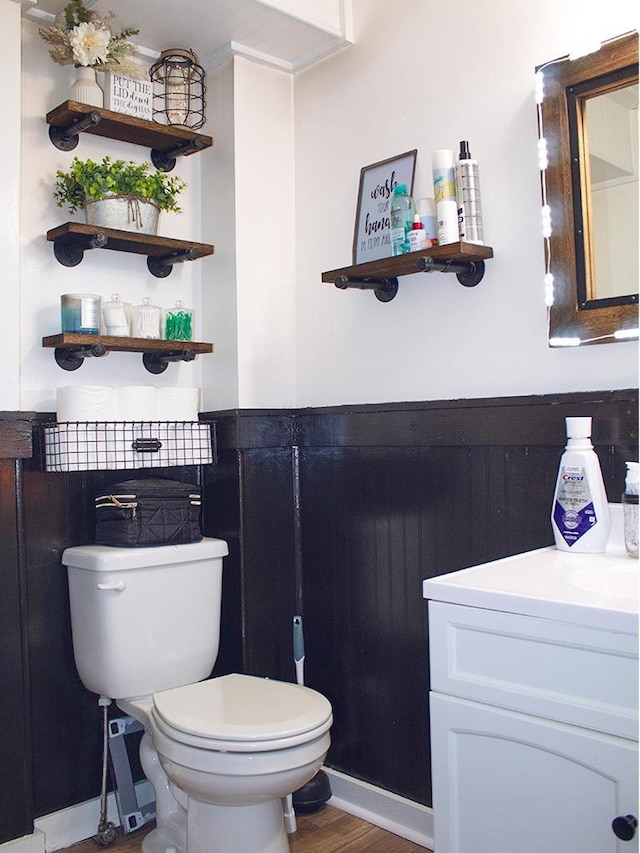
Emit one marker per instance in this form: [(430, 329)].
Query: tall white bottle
[(444, 193), (580, 516)]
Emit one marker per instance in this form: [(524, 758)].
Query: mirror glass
[(589, 121)]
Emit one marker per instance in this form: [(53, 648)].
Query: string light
[(618, 335), (626, 334), (539, 87), (543, 159), (546, 221), (589, 45), (564, 342), (548, 290)]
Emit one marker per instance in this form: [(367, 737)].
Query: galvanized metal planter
[(125, 213)]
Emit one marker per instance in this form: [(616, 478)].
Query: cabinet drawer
[(584, 676)]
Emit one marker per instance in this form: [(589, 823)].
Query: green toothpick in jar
[(178, 323)]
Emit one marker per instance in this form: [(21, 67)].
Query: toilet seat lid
[(242, 708)]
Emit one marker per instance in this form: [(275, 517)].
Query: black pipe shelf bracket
[(384, 289), (161, 267), (66, 138), (157, 362), (70, 251), (71, 358), (468, 273), (165, 161)]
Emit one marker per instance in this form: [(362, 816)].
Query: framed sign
[(128, 96), (371, 237)]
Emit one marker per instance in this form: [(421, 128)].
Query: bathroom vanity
[(534, 704)]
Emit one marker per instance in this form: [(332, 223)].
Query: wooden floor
[(326, 831)]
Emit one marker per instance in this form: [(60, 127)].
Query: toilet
[(221, 754)]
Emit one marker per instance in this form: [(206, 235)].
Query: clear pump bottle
[(401, 213)]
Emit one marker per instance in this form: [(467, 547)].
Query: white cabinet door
[(507, 782)]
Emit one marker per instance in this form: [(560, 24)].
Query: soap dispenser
[(630, 509)]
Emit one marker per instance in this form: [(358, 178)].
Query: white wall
[(43, 279), (10, 206), (419, 78), (277, 195)]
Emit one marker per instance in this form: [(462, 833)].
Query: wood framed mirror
[(588, 128)]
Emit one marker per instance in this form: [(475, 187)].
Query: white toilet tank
[(145, 619)]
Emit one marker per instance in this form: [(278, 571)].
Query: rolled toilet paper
[(136, 403), (178, 403), (119, 439), (84, 403)]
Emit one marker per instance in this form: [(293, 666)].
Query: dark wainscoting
[(354, 506), (335, 513), (16, 808), (50, 725)]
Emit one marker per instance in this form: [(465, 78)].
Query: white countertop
[(594, 590)]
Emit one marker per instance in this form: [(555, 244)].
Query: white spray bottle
[(580, 516)]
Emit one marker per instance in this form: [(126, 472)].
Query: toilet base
[(156, 842), (256, 828)]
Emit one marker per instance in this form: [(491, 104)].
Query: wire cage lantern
[(178, 89)]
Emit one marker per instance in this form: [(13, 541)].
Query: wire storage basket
[(114, 445)]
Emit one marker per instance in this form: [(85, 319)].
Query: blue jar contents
[(80, 313)]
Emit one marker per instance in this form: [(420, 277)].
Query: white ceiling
[(215, 28)]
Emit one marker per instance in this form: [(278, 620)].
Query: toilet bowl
[(220, 753), (235, 746)]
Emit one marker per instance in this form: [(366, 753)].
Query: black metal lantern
[(178, 89)]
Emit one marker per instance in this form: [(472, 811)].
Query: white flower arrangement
[(82, 37)]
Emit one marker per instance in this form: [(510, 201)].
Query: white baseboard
[(27, 844), (68, 826), (403, 817)]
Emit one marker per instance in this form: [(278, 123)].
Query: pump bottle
[(630, 508), (580, 515), (468, 192)]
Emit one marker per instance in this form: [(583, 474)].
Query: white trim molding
[(389, 811)]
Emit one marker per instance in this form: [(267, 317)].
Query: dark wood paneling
[(16, 801), (391, 494), (15, 436), (66, 719), (221, 518), (384, 496), (497, 421), (268, 562)]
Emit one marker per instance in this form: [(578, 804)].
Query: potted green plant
[(118, 194)]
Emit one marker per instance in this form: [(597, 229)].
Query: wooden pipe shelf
[(167, 142), (71, 349), (71, 240), (465, 260)]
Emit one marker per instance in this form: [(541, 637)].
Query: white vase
[(123, 214), (85, 88)]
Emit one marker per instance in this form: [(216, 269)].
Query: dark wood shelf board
[(128, 241), (399, 265), (68, 340), (126, 128)]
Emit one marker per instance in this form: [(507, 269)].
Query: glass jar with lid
[(146, 320), (178, 323), (116, 317)]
